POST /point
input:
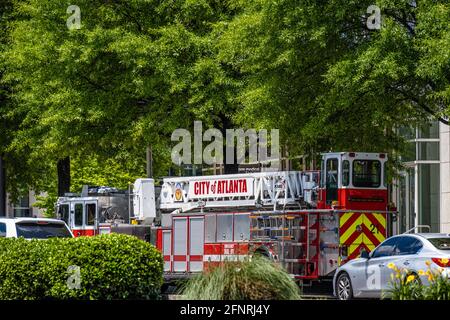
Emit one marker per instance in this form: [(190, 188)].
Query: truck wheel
[(344, 287)]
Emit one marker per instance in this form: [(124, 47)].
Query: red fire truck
[(309, 221)]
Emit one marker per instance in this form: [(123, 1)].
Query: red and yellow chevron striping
[(361, 231)]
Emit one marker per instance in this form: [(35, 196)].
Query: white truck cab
[(33, 228)]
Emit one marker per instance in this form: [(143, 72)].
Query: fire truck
[(311, 222)]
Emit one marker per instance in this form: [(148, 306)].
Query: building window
[(428, 175), (428, 151), (22, 207), (428, 130), (419, 186)]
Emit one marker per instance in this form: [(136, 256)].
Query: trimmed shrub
[(255, 279), (111, 266)]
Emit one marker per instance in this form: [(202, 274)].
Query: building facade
[(445, 178), (422, 192), (23, 207)]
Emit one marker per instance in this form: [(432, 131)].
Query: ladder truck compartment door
[(167, 249), (180, 244), (196, 231)]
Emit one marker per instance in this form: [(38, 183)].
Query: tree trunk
[(63, 176), (2, 187), (149, 162)]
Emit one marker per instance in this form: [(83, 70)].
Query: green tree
[(315, 70), (132, 73)]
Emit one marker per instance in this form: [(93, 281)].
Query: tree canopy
[(138, 69), (316, 71)]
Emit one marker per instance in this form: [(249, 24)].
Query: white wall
[(36, 212), (445, 177)]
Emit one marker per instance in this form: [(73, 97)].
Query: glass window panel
[(402, 195), (409, 153), (408, 133), (331, 181), (22, 212), (345, 173), (90, 214), (78, 215), (366, 173), (2, 230), (429, 196), (408, 245), (428, 151), (24, 201), (64, 212), (385, 249), (429, 130), (411, 197)]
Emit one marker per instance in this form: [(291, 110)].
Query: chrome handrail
[(416, 227)]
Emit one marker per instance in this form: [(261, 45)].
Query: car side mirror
[(365, 255)]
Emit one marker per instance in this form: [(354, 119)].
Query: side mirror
[(365, 254)]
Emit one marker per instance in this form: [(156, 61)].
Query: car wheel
[(344, 287)]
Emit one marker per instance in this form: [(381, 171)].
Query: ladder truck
[(311, 222)]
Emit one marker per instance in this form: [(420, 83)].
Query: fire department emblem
[(178, 192)]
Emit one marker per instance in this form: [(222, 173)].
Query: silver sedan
[(370, 275)]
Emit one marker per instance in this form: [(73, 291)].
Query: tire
[(344, 290)]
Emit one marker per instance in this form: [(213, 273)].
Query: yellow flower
[(391, 266), (428, 263), (444, 260), (421, 273), (397, 276), (410, 278)]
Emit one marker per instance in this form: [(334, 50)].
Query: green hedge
[(111, 266)]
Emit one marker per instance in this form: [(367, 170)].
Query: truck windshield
[(42, 230), (366, 173)]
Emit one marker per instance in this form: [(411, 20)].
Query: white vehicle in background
[(33, 228), (369, 276)]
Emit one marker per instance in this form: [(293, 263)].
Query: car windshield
[(42, 230), (441, 243)]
